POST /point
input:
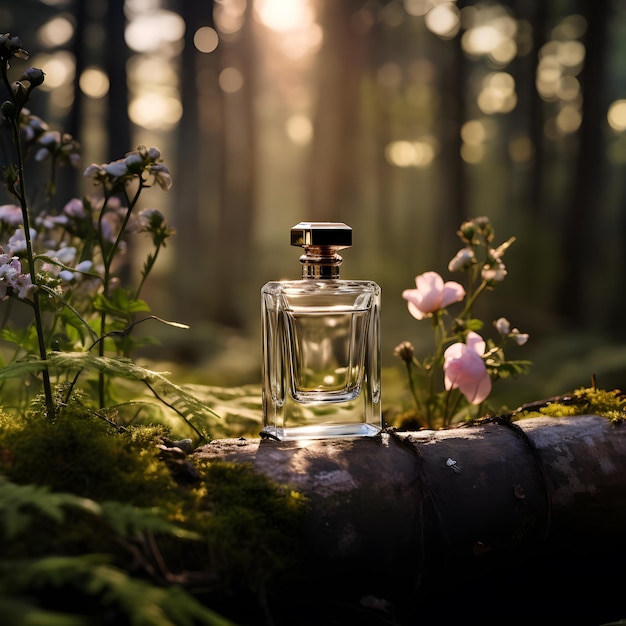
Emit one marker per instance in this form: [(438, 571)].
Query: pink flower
[(431, 295), (464, 368)]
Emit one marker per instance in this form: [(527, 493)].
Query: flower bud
[(405, 351), (11, 46), (463, 260), (154, 154), (485, 228), (519, 338), (503, 326), (134, 162), (20, 92), (494, 270), (34, 76), (8, 110), (467, 231)]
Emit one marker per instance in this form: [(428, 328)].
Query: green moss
[(248, 527), (251, 531), (557, 409), (81, 453), (589, 400)]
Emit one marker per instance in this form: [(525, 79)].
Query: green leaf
[(121, 303), (24, 612), (178, 397), (508, 369), (139, 601), (474, 324), (17, 503), (22, 368), (128, 520)]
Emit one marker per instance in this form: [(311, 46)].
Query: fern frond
[(19, 504), (128, 520), (183, 401), (139, 600)]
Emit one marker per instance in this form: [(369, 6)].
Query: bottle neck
[(320, 263)]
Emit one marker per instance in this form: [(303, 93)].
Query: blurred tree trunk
[(234, 221), (116, 59), (195, 174), (334, 160), (579, 249), (215, 175), (453, 192), (535, 199)]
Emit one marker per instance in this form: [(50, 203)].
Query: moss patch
[(246, 529), (586, 400)]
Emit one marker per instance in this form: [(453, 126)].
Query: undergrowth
[(105, 526)]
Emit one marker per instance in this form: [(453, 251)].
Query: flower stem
[(41, 341), (108, 261), (409, 371)]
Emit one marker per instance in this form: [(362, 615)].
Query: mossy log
[(483, 511)]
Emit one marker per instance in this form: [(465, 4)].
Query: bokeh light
[(491, 32), (560, 61), (94, 82), (299, 129), (230, 80), (59, 69), (149, 32), (229, 15), (616, 116), (206, 39), (498, 93), (419, 154), (443, 20), (153, 110), (284, 15), (56, 32)]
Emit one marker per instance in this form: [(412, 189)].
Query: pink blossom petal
[(465, 369), (431, 294), (475, 342)]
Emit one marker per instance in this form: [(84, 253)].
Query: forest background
[(400, 118)]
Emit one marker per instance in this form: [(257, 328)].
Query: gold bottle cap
[(322, 234)]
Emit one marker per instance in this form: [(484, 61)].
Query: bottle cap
[(322, 234)]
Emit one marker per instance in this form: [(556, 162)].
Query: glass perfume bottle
[(321, 344)]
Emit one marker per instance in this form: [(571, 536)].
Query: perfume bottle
[(321, 345)]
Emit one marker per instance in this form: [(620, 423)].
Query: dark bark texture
[(497, 523)]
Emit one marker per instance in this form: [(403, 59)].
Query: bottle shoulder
[(304, 286)]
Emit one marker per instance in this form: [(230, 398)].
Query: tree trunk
[(487, 514)]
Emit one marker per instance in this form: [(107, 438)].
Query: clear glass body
[(321, 358)]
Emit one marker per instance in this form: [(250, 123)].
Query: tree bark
[(410, 518)]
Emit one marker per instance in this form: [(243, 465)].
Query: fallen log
[(405, 521)]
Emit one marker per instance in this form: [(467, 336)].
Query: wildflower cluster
[(457, 378), (65, 264)]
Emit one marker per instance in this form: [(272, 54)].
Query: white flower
[(64, 255), (462, 260), (24, 286), (17, 242), (75, 208), (161, 174), (519, 338), (154, 154), (66, 275), (494, 272), (11, 214), (503, 326), (116, 168)]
